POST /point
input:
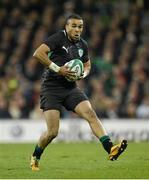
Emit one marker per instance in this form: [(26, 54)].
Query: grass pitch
[(74, 161)]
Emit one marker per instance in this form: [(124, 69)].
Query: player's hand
[(64, 71), (81, 77)]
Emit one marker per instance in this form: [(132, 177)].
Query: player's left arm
[(87, 68), (86, 60)]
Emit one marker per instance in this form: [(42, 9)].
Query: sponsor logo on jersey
[(66, 49)]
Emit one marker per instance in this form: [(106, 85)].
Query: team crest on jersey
[(80, 51)]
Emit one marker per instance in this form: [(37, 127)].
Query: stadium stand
[(118, 35)]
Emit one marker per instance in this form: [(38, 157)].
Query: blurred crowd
[(117, 32)]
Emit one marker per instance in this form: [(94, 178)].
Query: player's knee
[(89, 114), (52, 134)]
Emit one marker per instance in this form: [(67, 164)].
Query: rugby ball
[(77, 66)]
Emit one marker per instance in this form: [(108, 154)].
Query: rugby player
[(57, 91)]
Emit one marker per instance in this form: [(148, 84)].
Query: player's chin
[(76, 38)]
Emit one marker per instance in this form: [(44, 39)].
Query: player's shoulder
[(84, 42), (55, 40), (62, 33), (59, 34)]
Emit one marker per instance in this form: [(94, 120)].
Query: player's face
[(74, 28)]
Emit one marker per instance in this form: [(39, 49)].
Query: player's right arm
[(41, 54)]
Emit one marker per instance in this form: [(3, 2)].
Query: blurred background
[(117, 32)]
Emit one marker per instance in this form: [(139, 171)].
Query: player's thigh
[(74, 97), (85, 110), (52, 118), (50, 100)]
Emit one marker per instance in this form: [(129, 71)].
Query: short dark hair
[(73, 16)]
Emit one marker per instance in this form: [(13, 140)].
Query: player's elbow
[(41, 51), (36, 54)]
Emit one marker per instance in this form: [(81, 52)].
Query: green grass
[(74, 161)]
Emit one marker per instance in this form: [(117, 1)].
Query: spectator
[(142, 110), (119, 41)]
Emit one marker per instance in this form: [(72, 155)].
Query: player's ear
[(66, 26)]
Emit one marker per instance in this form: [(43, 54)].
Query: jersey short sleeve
[(85, 56), (54, 41)]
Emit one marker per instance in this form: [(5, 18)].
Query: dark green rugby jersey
[(62, 51)]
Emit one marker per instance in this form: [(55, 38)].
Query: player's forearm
[(42, 56), (43, 59), (87, 68), (86, 72)]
